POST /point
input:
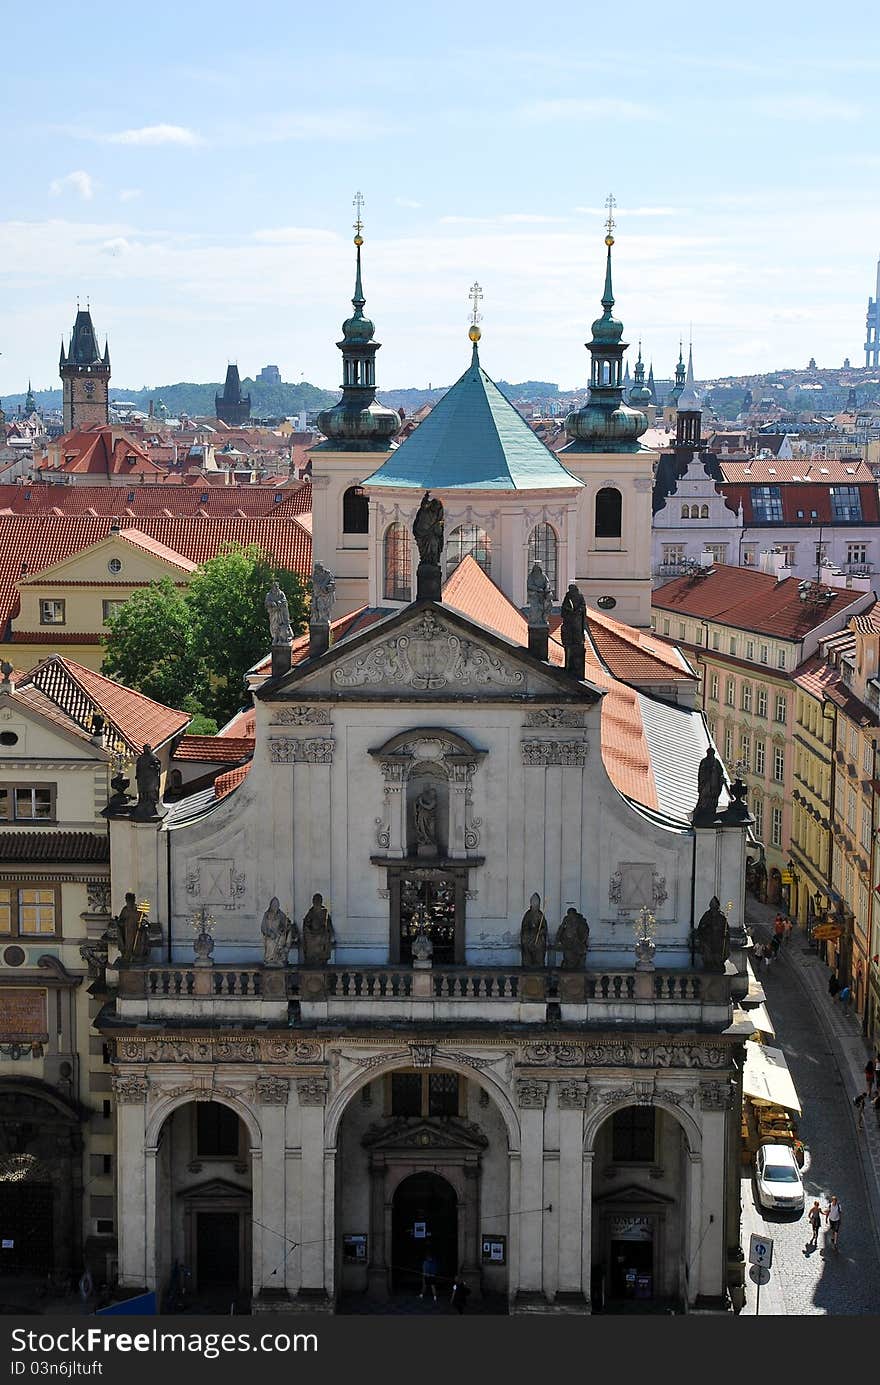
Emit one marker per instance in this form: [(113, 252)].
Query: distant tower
[(232, 407), (85, 376), (30, 404), (872, 341), (689, 422), (675, 392), (852, 402), (640, 394), (652, 389)]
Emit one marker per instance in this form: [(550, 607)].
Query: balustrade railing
[(213, 981)]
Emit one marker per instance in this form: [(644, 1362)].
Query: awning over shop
[(755, 994), (766, 1078), (760, 1018)]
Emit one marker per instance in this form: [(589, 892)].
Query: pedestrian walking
[(833, 985), (845, 998), (776, 943), (429, 1277), (870, 1075), (859, 1104), (814, 1217), (779, 928), (460, 1294), (789, 926), (832, 1221)]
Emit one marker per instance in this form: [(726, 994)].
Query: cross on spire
[(358, 203), (475, 294), (610, 223)]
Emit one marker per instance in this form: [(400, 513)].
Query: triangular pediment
[(412, 1134), (634, 1194), (432, 652), (137, 563), (216, 1188)]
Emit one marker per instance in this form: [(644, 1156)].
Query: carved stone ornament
[(272, 1091), (716, 1096), (532, 1096), (554, 752), (552, 1055), (193, 879), (659, 889), (130, 1091), (615, 885), (98, 896), (572, 1096), (95, 957), (675, 1098), (422, 1055), (301, 716), (429, 656), (555, 716), (237, 1050), (615, 1094), (312, 1091), (291, 750), (620, 1053)]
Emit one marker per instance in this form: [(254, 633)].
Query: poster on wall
[(494, 1250), (354, 1249)]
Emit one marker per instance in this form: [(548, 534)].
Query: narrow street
[(820, 1057)]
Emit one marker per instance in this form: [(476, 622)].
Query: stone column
[(377, 1271), (312, 1093), (471, 1262), (587, 1227), (269, 1240), (131, 1094), (572, 1098), (531, 1099), (709, 1177)]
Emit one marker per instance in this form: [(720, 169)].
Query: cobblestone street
[(825, 1054)]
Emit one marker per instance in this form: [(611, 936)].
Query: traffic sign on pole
[(761, 1250)]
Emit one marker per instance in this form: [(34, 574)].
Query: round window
[(8, 738), (606, 603), (14, 956), (114, 565)]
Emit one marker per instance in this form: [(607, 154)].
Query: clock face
[(89, 388)]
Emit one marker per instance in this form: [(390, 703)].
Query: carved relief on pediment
[(428, 656)]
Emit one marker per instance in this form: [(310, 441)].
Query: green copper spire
[(358, 423)]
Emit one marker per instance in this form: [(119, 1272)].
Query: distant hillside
[(267, 401)]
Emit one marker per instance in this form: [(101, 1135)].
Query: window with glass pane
[(633, 1135), (398, 563), (442, 1094), (758, 815), (780, 658), (780, 707), (5, 909), (714, 687), (729, 692), (747, 697), (468, 539), (51, 612), (5, 805), (766, 504), (355, 511), (776, 828), (36, 911), (216, 1131), (762, 702), (33, 803), (728, 745), (733, 644), (778, 764), (846, 504), (406, 1094), (542, 549), (759, 757)]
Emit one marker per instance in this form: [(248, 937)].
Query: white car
[(778, 1179)]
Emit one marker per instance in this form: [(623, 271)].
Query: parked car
[(778, 1179)]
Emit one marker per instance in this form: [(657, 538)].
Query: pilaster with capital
[(572, 1099), (531, 1099), (312, 1095)]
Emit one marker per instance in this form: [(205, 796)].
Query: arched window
[(685, 511), (704, 512), (609, 504), (355, 511), (398, 565), (543, 547), (468, 539)]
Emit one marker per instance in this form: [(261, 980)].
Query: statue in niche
[(713, 936), (425, 817), (710, 781), (540, 595), (428, 529), (279, 935), (573, 939), (574, 619), (317, 933), (276, 605), (132, 932), (533, 934)]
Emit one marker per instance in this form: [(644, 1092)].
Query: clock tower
[(85, 374)]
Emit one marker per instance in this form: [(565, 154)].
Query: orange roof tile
[(214, 749), (159, 550), (751, 600), (823, 681), (225, 783), (138, 719)]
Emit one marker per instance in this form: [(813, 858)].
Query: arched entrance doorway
[(40, 1182), (641, 1196), (203, 1206), (424, 1222)]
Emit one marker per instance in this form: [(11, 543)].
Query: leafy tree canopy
[(192, 648)]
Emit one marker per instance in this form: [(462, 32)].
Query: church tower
[(613, 560), (358, 433), (232, 407), (85, 376), (689, 420)]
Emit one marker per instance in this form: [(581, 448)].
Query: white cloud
[(130, 194), (155, 135), (584, 108), (79, 181)]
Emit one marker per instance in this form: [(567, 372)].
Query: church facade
[(362, 1042)]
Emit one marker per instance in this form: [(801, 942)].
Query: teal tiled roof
[(473, 439)]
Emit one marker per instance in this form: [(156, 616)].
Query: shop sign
[(354, 1249), (632, 1228)]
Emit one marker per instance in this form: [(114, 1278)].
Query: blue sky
[(191, 171)]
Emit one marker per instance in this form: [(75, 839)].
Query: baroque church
[(451, 970)]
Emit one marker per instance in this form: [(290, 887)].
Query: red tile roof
[(34, 542), (822, 680), (771, 471), (32, 844), (225, 783), (102, 450), (244, 723), (229, 750), (159, 550), (137, 719), (751, 600), (168, 498)]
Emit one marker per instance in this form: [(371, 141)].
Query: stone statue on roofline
[(710, 782), (713, 936), (428, 529), (279, 935), (278, 610), (573, 939), (574, 620), (533, 934), (540, 595), (317, 933), (148, 774), (323, 595)]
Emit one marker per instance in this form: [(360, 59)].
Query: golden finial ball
[(474, 333), (359, 240), (609, 241)]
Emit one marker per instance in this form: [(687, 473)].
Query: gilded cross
[(610, 222), (358, 203), (475, 294)]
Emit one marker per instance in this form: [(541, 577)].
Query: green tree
[(150, 646), (226, 599)]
